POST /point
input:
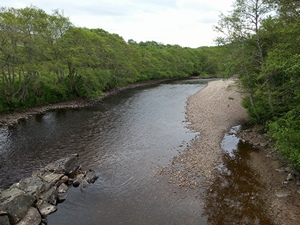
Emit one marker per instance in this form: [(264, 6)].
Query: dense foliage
[(263, 38), (45, 59)]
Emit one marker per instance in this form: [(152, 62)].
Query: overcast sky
[(188, 23)]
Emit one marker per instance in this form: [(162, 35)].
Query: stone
[(282, 194), (33, 217), (290, 177), (66, 165), (281, 171), (287, 169), (264, 144), (91, 176), (52, 178), (63, 188), (78, 180), (64, 179), (44, 221), (45, 209), (50, 196), (16, 203), (62, 197), (33, 186), (4, 220)]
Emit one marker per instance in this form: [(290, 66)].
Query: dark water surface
[(127, 139), (235, 196)]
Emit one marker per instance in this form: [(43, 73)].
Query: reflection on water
[(234, 198)]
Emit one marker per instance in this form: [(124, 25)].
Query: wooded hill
[(263, 39), (45, 59)]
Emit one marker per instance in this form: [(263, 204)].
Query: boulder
[(62, 197), (32, 185), (62, 180), (78, 179), (63, 188), (50, 196), (33, 217), (4, 220), (66, 165), (45, 208), (15, 203), (91, 176), (52, 178)]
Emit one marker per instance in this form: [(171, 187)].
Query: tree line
[(262, 39), (45, 59)]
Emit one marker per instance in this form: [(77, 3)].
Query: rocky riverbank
[(29, 201), (282, 183), (212, 112)]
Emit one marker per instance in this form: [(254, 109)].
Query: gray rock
[(66, 165), (290, 177), (45, 209), (287, 169), (33, 217), (76, 182), (62, 197), (264, 144), (4, 220), (50, 196), (91, 176), (282, 195), (63, 188), (52, 178), (62, 180), (33, 186), (16, 203), (78, 179), (281, 171)]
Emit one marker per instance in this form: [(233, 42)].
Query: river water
[(127, 138)]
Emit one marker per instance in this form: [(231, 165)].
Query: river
[(127, 138)]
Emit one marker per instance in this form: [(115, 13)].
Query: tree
[(241, 33)]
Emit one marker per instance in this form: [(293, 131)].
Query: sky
[(188, 23)]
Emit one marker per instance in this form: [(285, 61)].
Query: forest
[(262, 38), (45, 59)]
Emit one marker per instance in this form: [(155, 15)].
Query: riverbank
[(282, 184), (212, 112), (13, 118)]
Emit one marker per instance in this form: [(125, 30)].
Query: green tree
[(241, 32)]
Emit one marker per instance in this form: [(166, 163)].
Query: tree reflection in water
[(234, 196)]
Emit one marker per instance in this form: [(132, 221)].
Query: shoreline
[(11, 119), (282, 184), (212, 112)]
